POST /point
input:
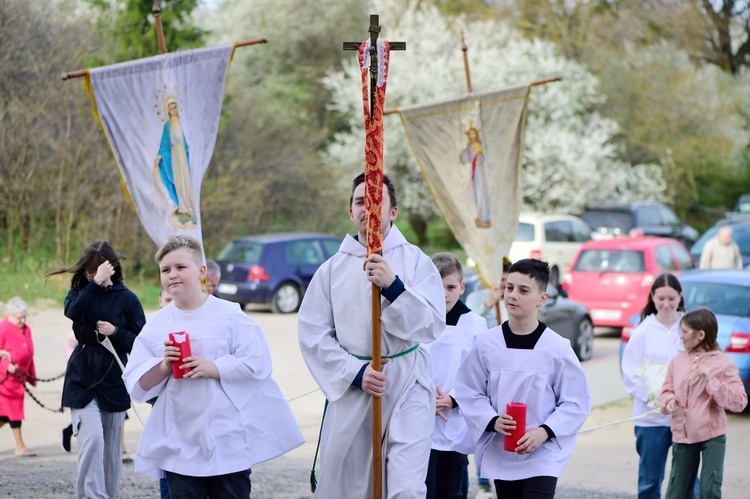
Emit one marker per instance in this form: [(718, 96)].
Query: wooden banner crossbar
[(156, 10), (82, 72), (534, 83)]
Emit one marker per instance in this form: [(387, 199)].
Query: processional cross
[(374, 113)]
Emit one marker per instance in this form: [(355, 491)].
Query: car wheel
[(584, 342), (286, 299), (554, 277)]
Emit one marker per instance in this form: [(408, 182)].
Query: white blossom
[(570, 158)]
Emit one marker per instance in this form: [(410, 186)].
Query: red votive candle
[(180, 340), (516, 410)]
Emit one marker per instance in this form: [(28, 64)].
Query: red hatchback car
[(613, 277)]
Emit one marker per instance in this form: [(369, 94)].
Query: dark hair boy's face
[(522, 296)]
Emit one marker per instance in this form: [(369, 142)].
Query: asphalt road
[(604, 464)]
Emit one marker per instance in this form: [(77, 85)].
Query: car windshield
[(524, 232), (609, 219), (241, 251), (721, 298), (605, 260)]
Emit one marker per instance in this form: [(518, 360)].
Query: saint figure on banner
[(173, 165), (473, 154)]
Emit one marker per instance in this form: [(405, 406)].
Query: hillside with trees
[(654, 102)]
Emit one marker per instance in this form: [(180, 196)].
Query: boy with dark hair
[(523, 361), (447, 472)]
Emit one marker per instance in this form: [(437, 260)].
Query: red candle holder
[(180, 340), (516, 410)]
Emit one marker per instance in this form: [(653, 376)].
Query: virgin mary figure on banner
[(173, 163), (473, 154)]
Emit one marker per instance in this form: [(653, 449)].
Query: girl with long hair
[(705, 379), (644, 365), (101, 308)]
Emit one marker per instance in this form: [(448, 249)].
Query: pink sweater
[(700, 409)]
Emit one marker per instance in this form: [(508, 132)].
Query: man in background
[(721, 252), (212, 278)]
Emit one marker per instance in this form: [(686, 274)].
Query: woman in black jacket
[(101, 308)]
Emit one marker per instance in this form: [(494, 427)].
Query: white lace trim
[(381, 60)]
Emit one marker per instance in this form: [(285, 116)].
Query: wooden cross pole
[(156, 11), (465, 49), (375, 186)]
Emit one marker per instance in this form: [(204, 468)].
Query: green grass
[(27, 280), (25, 276), (440, 237)]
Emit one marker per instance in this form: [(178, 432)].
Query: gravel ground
[(604, 463), (54, 478)]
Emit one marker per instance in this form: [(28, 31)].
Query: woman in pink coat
[(16, 367), (701, 384)]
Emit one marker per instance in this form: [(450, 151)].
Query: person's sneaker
[(485, 491), (67, 434)]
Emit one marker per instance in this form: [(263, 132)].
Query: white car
[(552, 238)]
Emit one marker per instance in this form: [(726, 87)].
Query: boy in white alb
[(206, 430), (447, 473), (523, 361), (335, 337)]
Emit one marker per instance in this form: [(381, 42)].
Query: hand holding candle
[(517, 411), (181, 340)]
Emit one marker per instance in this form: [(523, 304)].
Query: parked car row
[(557, 238), (610, 275), (643, 218)]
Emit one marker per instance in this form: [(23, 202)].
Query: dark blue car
[(272, 269), (727, 294)]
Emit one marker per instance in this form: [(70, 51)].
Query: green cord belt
[(394, 356), (313, 479)]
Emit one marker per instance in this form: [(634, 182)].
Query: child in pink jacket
[(701, 383)]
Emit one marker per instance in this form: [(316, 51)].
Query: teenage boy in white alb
[(523, 361), (335, 336), (447, 473)]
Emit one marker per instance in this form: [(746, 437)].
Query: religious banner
[(161, 118), (470, 151)]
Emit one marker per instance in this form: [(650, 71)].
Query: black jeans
[(447, 475), (229, 486), (536, 487)]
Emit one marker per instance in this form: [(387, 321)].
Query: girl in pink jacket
[(701, 383)]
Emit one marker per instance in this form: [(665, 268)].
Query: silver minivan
[(552, 238)]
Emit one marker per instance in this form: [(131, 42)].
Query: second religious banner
[(470, 151), (161, 118)]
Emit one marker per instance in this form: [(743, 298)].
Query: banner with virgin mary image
[(470, 152), (161, 118)]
